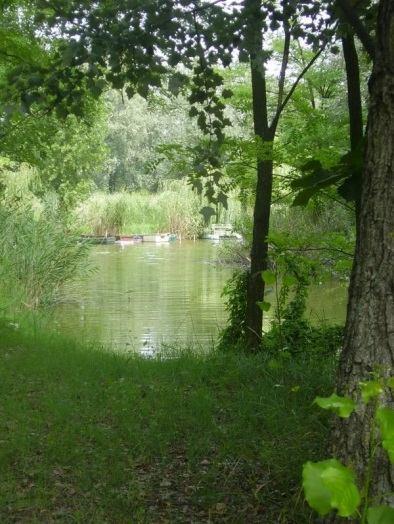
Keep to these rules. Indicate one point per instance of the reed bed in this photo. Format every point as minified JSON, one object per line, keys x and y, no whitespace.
{"x":174,"y":209}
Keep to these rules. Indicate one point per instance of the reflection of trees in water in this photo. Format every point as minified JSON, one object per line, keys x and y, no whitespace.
{"x":155,"y":294}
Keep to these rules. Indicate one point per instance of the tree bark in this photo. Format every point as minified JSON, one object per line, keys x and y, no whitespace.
{"x":262,"y":206}
{"x":354,"y":103}
{"x":369,"y":332}
{"x":353,"y":90}
{"x":259,"y":252}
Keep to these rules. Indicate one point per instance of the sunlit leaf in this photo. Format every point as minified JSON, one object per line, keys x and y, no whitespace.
{"x":345,"y":496}
{"x":317,"y":494}
{"x":385,"y":417}
{"x":330,"y":485}
{"x":342,"y":406}
{"x":370,"y":389}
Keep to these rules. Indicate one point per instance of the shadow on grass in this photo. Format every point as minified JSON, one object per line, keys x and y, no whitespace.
{"x":90,"y":435}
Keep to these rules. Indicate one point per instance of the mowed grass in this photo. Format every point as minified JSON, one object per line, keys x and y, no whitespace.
{"x":93,"y":436}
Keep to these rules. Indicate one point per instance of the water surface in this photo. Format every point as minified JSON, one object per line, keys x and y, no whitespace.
{"x":146,"y":294}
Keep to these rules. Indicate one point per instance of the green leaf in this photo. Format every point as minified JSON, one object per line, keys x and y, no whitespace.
{"x":264,"y":306}
{"x":222,"y":199}
{"x":304,"y":196}
{"x":317,"y":494}
{"x":330,"y":485}
{"x":380,"y":515}
{"x":289,"y":280}
{"x":269,"y":277}
{"x":207,"y":212}
{"x":193,"y":111}
{"x":344,"y":492}
{"x":370,"y":389}
{"x":342,"y":406}
{"x":385,"y":417}
{"x":227,"y":93}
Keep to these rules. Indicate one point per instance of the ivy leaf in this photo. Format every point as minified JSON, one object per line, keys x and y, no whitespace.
{"x":380,"y":515}
{"x":264,"y":306}
{"x":370,"y":389}
{"x":330,"y":485}
{"x":269,"y":277}
{"x":342,"y":406}
{"x":385,"y":417}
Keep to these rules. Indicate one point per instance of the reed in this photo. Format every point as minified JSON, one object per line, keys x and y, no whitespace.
{"x":37,"y":257}
{"x":175,"y":209}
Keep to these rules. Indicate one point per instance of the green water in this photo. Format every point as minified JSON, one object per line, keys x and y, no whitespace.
{"x":143,"y":295}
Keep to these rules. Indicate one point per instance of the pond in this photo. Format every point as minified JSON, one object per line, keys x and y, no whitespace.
{"x":143,"y":295}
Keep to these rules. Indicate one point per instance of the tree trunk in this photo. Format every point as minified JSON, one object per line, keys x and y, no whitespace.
{"x":112,"y":182}
{"x":353,"y":90}
{"x":262,"y":206}
{"x":369,"y":333}
{"x":259,"y":253}
{"x":354,"y":104}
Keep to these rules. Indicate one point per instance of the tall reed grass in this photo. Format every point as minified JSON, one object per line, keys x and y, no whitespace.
{"x":175,"y":209}
{"x":37,"y":257}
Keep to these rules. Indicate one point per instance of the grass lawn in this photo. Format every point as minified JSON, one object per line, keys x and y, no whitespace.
{"x":89,"y":435}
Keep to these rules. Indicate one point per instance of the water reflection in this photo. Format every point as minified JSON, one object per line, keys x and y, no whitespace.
{"x":145,"y":294}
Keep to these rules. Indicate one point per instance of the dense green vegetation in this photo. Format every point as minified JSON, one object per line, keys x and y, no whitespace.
{"x":124,"y":118}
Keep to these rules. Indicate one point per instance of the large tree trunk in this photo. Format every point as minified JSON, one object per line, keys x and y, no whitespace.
{"x":369,"y":334}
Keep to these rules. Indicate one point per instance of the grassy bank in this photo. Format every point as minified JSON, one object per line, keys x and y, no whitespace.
{"x":93,"y":436}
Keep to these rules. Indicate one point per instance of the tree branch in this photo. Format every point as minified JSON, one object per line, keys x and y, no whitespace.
{"x":285,"y":61}
{"x":294,"y":87}
{"x":359,"y":28}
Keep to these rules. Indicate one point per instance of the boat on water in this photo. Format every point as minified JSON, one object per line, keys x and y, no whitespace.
{"x":159,"y":238}
{"x":99,"y":239}
{"x":127,"y":240}
{"x":220,"y":232}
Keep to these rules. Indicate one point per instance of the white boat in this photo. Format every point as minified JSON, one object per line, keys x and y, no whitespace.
{"x":159,"y":238}
{"x":221,"y":232}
